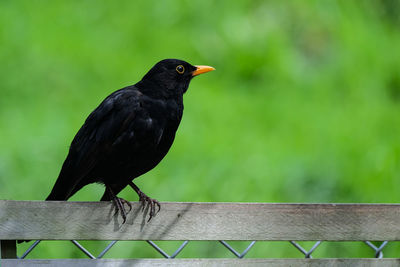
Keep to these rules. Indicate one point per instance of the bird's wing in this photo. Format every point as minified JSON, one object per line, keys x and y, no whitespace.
{"x":106,"y":129}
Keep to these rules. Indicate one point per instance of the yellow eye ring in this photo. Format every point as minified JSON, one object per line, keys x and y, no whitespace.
{"x":180,"y":69}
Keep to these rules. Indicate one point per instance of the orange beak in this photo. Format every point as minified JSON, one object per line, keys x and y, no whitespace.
{"x":202,"y":69}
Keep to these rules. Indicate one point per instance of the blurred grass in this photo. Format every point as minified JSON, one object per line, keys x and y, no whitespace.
{"x":303,"y":107}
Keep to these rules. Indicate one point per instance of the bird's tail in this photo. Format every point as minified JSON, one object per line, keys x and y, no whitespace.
{"x":66,"y":186}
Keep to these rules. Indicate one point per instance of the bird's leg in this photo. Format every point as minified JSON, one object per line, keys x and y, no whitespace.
{"x":119,"y":204}
{"x":143,"y":198}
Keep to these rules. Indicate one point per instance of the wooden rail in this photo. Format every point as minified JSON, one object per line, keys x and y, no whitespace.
{"x":61,"y":220}
{"x":204,"y":262}
{"x":199,"y":221}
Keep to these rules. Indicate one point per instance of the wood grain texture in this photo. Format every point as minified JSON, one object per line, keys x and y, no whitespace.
{"x":199,"y":221}
{"x":204,"y":262}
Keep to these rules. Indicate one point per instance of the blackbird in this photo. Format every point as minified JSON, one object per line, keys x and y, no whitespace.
{"x":127,"y":135}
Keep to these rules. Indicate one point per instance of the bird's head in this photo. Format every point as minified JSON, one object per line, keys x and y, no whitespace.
{"x":173,"y":75}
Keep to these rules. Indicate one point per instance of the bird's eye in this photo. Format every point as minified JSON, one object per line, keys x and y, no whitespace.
{"x":180,"y":69}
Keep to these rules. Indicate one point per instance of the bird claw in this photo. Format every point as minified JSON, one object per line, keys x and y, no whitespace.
{"x":151,"y":204}
{"x":119,"y":206}
{"x":127,"y":203}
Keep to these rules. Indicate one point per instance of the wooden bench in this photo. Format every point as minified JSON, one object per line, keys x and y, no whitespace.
{"x":197,"y":221}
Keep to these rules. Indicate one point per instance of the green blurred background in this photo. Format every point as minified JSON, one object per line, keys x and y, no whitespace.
{"x":303,"y":107}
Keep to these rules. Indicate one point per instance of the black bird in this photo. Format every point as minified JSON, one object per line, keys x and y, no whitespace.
{"x":127,"y":135}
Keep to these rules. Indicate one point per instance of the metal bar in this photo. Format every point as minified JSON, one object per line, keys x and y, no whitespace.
{"x":302,"y":250}
{"x":308,"y":255}
{"x":30,"y":249}
{"x":378,"y":250}
{"x":84,"y":250}
{"x":181,"y":247}
{"x":237,"y":254}
{"x":384,"y":243}
{"x":109,"y":246}
{"x":162,"y":252}
{"x":247,"y":249}
{"x":231,"y":249}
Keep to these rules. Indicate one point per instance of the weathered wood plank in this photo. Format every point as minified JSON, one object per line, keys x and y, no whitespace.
{"x":8,"y":249}
{"x":204,"y":262}
{"x":200,"y":221}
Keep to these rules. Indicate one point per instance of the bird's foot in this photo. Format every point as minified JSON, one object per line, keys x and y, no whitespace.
{"x":151,"y":204}
{"x":143,"y":198}
{"x":119,"y":206}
